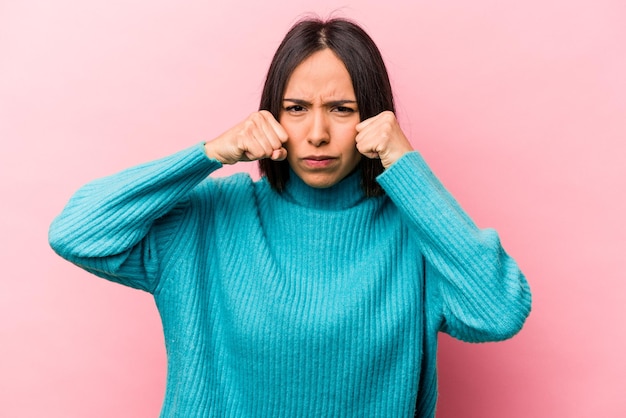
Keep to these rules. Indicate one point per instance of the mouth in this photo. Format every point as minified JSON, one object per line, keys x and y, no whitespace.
{"x":318,"y":161}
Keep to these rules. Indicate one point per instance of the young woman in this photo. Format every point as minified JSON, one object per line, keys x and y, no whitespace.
{"x":318,"y":290}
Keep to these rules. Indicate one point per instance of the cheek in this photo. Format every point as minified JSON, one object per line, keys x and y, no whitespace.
{"x":295,"y":134}
{"x":346,"y":136}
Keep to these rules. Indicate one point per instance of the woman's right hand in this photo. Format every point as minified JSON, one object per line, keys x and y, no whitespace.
{"x":258,"y":136}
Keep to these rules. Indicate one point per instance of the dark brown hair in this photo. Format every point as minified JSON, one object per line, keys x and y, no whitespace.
{"x":364,"y":64}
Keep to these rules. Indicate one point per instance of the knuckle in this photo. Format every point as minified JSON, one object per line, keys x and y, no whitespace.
{"x":389,"y":117}
{"x":256,"y":117}
{"x":248,"y":125}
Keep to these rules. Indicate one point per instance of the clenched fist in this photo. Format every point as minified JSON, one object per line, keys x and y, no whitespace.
{"x":258,"y":136}
{"x":381,"y":137}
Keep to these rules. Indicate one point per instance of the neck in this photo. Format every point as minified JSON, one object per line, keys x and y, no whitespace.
{"x":343,"y":195}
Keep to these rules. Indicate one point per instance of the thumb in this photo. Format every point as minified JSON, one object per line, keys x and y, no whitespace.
{"x":279,"y":154}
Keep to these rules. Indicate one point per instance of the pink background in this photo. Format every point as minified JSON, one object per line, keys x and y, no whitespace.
{"x":519,"y":107}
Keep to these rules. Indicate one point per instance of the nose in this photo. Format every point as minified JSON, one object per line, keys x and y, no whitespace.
{"x":318,"y":131}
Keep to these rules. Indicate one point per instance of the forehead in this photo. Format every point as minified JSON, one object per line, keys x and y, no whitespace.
{"x":322,"y":74}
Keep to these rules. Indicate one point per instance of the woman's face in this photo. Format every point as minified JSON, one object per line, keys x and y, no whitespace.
{"x":319,"y":113}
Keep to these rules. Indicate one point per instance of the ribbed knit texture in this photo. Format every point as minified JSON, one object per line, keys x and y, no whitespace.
{"x":309,"y":303}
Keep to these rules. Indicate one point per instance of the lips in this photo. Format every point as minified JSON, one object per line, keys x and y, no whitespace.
{"x":318,"y":161}
{"x":318,"y":157}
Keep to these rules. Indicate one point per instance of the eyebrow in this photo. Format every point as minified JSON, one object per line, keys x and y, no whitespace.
{"x":331,"y":103}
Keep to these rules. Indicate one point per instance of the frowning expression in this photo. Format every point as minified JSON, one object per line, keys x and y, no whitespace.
{"x":320,"y":113}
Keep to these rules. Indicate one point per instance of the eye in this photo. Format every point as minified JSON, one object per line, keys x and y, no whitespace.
{"x":343,"y":109}
{"x":295,"y":109}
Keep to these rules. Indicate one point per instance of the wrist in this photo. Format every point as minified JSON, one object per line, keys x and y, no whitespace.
{"x":395,"y":156}
{"x":211,"y":152}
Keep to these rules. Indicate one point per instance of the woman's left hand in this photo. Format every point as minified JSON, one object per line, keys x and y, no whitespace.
{"x":381,"y":137}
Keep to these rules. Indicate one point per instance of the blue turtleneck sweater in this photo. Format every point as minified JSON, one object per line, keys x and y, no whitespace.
{"x":309,"y":303}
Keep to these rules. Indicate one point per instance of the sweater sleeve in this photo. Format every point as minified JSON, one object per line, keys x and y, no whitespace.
{"x":484,"y":296}
{"x":108,"y":226}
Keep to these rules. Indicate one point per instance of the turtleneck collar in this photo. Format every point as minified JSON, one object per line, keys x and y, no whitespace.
{"x":343,"y":195}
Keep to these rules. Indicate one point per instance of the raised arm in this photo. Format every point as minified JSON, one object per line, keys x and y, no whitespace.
{"x":108,"y":226}
{"x":484,"y":295}
{"x":115,"y":227}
